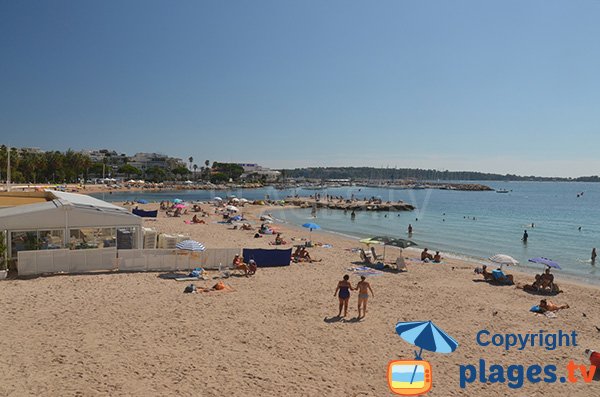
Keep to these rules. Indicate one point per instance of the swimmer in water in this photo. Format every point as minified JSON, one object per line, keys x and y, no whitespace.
{"x":594,"y":256}
{"x":525,"y":236}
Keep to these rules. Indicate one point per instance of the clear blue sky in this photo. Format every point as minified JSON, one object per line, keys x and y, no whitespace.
{"x":504,"y":86}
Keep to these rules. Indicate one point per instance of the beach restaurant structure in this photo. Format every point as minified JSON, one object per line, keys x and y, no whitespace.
{"x":53,"y":220}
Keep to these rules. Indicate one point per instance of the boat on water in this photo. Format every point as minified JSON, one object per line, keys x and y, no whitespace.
{"x":503,"y":191}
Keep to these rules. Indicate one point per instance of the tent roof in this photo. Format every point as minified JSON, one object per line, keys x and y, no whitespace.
{"x":66,"y":210}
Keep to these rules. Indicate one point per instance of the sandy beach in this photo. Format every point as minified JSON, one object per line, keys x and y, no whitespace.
{"x":276,"y":333}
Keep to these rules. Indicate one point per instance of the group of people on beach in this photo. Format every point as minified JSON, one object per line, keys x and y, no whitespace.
{"x":343,"y":293}
{"x":427,"y":257}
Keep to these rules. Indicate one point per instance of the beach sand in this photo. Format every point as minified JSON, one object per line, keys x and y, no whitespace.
{"x":275,"y":334}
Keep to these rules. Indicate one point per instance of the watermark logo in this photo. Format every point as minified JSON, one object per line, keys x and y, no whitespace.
{"x":409,"y":377}
{"x":414,"y":377}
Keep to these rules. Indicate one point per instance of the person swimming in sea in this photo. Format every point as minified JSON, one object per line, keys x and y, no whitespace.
{"x":525,"y":236}
{"x":594,"y":256}
{"x":344,"y":287}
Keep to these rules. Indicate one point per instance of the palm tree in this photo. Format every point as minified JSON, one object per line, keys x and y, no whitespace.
{"x":195,"y":168}
{"x":191,"y":160}
{"x":207,"y":168}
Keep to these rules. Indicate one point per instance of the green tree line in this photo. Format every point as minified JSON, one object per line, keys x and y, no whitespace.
{"x":369,"y":173}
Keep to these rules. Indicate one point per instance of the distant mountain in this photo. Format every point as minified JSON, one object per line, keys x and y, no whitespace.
{"x":368,"y":173}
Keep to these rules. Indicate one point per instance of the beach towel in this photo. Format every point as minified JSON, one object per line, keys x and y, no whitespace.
{"x":536,"y":309}
{"x":365,"y":271}
{"x":145,"y":214}
{"x":268,"y":258}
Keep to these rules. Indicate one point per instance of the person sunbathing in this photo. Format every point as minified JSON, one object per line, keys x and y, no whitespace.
{"x":549,"y":306}
{"x":426,"y":256}
{"x":547,"y":280}
{"x":437,"y":258}
{"x":196,"y":220}
{"x":487,"y":276}
{"x":279,"y":240}
{"x":238,"y":264}
{"x":252,"y":266}
{"x":296,"y":253}
{"x":246,"y":226}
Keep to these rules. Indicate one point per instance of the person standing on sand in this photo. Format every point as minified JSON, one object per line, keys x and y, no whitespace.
{"x":344,"y":288}
{"x":594,"y":256}
{"x":363,"y":288}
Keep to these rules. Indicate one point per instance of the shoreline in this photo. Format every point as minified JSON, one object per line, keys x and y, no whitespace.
{"x":520,"y":271}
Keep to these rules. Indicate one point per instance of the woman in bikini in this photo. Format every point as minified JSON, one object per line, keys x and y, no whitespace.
{"x":344,"y":288}
{"x":363,"y":288}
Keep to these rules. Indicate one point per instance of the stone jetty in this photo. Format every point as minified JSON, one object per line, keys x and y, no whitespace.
{"x":349,"y":205}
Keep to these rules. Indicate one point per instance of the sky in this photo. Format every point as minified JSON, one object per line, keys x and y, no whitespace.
{"x":494,"y":86}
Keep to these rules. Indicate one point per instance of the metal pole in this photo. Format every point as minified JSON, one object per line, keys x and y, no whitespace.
{"x":8,"y":171}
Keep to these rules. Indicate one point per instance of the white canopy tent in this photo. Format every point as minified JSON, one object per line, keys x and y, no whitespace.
{"x":69,"y":220}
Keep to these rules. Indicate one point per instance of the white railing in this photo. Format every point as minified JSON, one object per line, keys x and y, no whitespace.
{"x":31,"y":263}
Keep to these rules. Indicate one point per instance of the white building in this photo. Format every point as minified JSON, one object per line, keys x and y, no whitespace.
{"x":54,"y":220}
{"x":150,"y":160}
{"x":255,"y":170}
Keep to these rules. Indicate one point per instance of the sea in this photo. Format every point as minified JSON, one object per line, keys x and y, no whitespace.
{"x":562,"y":219}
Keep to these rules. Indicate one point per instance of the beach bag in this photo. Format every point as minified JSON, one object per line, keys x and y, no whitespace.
{"x":189,"y":289}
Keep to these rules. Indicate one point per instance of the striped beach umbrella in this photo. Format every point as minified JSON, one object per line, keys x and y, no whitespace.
{"x":502,"y":259}
{"x":425,"y":335}
{"x":190,"y":245}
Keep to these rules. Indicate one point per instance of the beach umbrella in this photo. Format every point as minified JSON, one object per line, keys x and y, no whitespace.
{"x":218,"y":198}
{"x":177,"y":201}
{"x":545,"y":261}
{"x":311,"y":226}
{"x":502,"y":259}
{"x":236,"y":218}
{"x":401,"y":243}
{"x":232,"y":208}
{"x":142,"y":201}
{"x":425,"y":335}
{"x":180,"y":206}
{"x":243,"y":200}
{"x":235,"y":199}
{"x":190,"y":245}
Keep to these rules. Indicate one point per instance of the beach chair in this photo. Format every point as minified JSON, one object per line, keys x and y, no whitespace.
{"x":400,"y":264}
{"x":501,"y":278}
{"x":366,"y":258}
{"x":375,"y":256}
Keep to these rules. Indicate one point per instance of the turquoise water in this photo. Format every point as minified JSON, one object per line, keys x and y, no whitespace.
{"x":445,"y":219}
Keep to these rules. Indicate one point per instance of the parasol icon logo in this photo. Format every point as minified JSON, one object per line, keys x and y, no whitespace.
{"x":409,"y":377}
{"x":414,"y":377}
